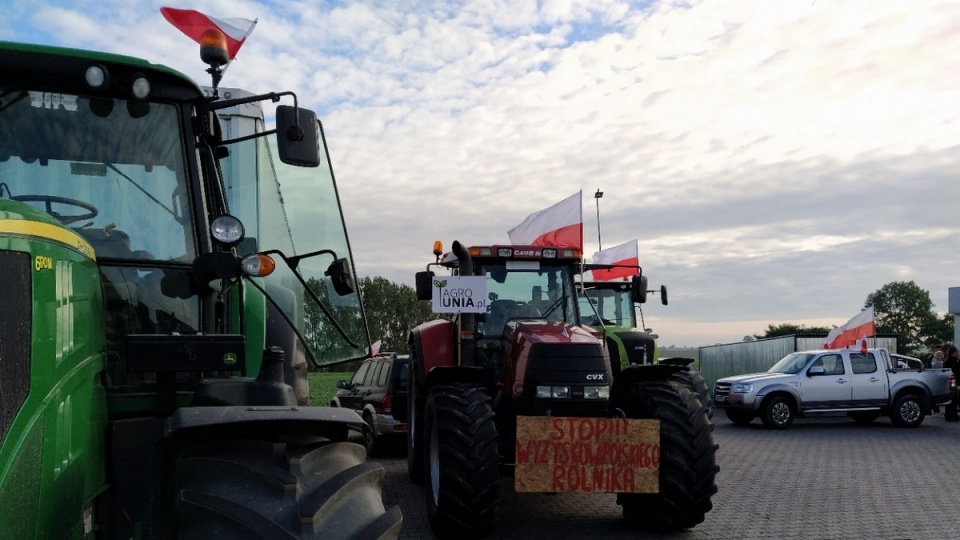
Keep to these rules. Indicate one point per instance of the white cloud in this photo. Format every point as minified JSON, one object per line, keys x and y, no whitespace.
{"x":777,"y":160}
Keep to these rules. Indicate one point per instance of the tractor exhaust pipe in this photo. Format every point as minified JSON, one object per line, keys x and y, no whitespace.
{"x":467,"y":322}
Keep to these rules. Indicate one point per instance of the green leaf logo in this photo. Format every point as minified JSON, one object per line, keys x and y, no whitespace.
{"x":440,"y":284}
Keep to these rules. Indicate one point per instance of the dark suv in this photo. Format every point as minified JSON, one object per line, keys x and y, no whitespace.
{"x":371,"y":392}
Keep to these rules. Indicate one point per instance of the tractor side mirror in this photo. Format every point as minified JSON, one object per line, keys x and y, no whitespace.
{"x":340,"y":277}
{"x":298,"y":136}
{"x":663,"y":294}
{"x":424,"y":282}
{"x":638,"y":289}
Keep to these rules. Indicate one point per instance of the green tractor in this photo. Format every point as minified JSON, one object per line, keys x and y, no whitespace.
{"x":610,"y":307}
{"x":159,"y":320}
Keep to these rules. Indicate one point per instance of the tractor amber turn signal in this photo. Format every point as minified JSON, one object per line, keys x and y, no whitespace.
{"x":258,"y":265}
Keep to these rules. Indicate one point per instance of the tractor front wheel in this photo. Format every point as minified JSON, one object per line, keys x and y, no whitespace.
{"x":688,"y":464}
{"x":254,"y":488}
{"x":462,"y":465}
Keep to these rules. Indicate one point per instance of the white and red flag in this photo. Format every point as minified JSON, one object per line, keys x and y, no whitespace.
{"x":560,"y":225}
{"x":622,"y":256}
{"x":853,"y":331}
{"x":193,"y":24}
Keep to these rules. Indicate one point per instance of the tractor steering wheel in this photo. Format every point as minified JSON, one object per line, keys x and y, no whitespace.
{"x":50,"y":200}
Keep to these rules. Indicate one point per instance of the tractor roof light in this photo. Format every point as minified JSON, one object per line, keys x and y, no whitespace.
{"x":438,"y":248}
{"x":549,"y":253}
{"x":227,"y":230}
{"x":96,"y":77}
{"x":258,"y":265}
{"x":571,"y":254}
{"x":504,"y":252}
{"x":140,"y":87}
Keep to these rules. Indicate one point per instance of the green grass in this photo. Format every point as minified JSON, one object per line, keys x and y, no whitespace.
{"x":323,"y":385}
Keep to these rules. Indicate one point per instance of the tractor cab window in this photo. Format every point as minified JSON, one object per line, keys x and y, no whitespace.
{"x":613,"y":305}
{"x":113,"y":171}
{"x":525,"y":289}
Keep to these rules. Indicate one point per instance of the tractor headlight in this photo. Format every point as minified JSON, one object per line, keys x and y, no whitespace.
{"x":741,"y":388}
{"x":558,"y":392}
{"x":596,"y":392}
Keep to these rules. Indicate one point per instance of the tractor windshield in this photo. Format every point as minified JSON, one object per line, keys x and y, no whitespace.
{"x":526,"y":289}
{"x":112,"y":170}
{"x":613,"y":304}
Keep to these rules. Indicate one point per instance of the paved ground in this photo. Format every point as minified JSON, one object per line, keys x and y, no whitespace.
{"x":821,"y":479}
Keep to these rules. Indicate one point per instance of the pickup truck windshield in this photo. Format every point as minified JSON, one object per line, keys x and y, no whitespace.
{"x":792,"y":363}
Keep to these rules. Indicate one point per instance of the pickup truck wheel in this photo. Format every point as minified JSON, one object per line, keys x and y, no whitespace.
{"x":740,"y":418}
{"x":688,"y":464}
{"x":865,"y":417}
{"x":777,"y":413}
{"x":263,"y":488}
{"x":907,"y":411}
{"x":462,"y":465}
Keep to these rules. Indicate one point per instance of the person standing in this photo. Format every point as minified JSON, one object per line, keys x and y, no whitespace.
{"x":952,"y":362}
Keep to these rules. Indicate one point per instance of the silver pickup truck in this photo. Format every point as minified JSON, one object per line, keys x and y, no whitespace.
{"x":862,"y":385}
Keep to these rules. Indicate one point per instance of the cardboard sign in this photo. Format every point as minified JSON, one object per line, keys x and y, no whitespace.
{"x":606,"y":455}
{"x":459,"y":294}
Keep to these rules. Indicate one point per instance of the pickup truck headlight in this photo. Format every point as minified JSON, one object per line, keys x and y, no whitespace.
{"x":741,"y":388}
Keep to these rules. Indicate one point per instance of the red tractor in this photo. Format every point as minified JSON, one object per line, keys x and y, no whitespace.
{"x":474,"y":376}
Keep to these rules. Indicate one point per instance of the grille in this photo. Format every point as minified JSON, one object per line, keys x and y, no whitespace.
{"x":15,"y":335}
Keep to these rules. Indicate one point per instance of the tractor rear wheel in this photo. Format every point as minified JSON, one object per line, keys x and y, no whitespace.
{"x":253,"y":488}
{"x":462,"y":465}
{"x":688,"y":464}
{"x":692,"y":379}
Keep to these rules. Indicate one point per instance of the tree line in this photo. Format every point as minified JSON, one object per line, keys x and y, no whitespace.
{"x":900,"y":307}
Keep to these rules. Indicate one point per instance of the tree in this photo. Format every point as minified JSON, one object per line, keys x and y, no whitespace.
{"x":903,"y":308}
{"x":787,"y":329}
{"x":392,"y":311}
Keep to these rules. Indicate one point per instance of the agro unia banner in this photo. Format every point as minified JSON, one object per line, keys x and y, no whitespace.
{"x":459,"y":294}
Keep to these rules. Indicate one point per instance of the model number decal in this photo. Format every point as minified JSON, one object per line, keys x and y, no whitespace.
{"x":43,"y":263}
{"x":595,"y":377}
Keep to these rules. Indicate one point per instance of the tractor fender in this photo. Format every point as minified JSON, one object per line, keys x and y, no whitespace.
{"x":676,"y":361}
{"x":641,"y":373}
{"x":431,"y":346}
{"x":243,"y":420}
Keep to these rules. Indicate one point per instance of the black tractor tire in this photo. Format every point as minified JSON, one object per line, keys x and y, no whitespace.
{"x":416,"y":455}
{"x":462,"y":465}
{"x":740,"y":418}
{"x":692,"y":379}
{"x":778,"y":413}
{"x":865,"y":417}
{"x":907,"y":411}
{"x":254,"y":488}
{"x":688,"y":458}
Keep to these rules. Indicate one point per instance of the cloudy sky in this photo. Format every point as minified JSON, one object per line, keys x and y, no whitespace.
{"x":777,"y":161}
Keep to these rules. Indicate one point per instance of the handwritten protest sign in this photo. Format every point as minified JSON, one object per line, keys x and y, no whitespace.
{"x":615,"y":455}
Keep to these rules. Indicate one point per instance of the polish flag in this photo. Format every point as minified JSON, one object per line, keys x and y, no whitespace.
{"x":620,"y":256}
{"x":853,"y":331}
{"x":560,"y":225}
{"x":194,"y":24}
{"x":375,"y":347}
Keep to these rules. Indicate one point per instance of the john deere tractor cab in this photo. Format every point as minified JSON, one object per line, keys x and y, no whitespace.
{"x":510,"y":353}
{"x":159,"y":316}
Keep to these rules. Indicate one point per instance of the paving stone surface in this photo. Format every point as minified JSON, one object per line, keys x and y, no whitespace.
{"x":824,"y":478}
